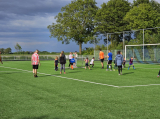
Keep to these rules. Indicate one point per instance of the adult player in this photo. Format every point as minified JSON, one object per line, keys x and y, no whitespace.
{"x":118,"y":62}
{"x":70,"y":57}
{"x":101,"y":57}
{"x":62,"y":60}
{"x":35,"y":62}
{"x":109,"y":60}
{"x":0,"y":58}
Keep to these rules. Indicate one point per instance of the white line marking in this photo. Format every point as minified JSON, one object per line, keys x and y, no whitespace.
{"x":88,"y":81}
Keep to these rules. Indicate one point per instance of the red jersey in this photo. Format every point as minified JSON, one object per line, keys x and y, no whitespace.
{"x":35,"y":58}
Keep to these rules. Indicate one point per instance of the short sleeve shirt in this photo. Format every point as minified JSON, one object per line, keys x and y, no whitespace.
{"x":110,"y":56}
{"x":35,"y":58}
{"x":101,"y":55}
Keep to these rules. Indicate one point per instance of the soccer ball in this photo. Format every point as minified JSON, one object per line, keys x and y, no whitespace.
{"x":109,"y":66}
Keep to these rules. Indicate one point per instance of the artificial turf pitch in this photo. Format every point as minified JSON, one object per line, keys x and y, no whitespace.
{"x":78,"y":94}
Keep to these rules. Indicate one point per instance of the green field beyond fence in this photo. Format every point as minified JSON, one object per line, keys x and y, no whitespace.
{"x":80,"y":93}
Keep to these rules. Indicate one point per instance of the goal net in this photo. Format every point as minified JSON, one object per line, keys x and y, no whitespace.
{"x":143,"y":53}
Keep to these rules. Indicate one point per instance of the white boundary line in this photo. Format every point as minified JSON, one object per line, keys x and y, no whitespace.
{"x":87,"y":81}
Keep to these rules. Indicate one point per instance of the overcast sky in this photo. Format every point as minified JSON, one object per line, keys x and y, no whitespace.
{"x":25,"y":22}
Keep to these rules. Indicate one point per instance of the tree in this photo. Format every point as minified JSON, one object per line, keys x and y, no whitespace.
{"x":7,"y":50}
{"x":137,"y":2}
{"x":142,"y":17}
{"x":18,"y":47}
{"x":110,"y":17}
{"x":75,"y":23}
{"x":2,"y":50}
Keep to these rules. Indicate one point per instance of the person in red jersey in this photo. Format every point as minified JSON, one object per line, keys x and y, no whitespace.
{"x":35,"y":62}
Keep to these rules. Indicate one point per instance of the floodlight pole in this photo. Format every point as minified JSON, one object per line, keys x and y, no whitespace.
{"x":123,"y":43}
{"x":143,"y":44}
{"x":107,"y":43}
{"x":94,"y":46}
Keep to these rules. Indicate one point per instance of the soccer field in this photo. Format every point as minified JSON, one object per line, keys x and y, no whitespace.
{"x":78,"y":94}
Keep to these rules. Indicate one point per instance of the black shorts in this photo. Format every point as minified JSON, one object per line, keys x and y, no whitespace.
{"x":71,"y":63}
{"x":35,"y":66}
{"x":102,"y":60}
{"x":86,"y":64}
{"x":109,"y":61}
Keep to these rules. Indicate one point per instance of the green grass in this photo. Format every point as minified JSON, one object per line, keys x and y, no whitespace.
{"x":49,"y":97}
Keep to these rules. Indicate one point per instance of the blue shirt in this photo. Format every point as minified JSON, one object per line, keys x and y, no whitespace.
{"x":110,"y":56}
{"x":72,"y":60}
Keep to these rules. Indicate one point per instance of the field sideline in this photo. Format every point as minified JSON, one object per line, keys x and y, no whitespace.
{"x":78,"y":94}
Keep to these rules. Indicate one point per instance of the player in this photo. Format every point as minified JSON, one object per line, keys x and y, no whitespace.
{"x":119,"y":61}
{"x":72,"y":61}
{"x":92,"y":62}
{"x":124,"y":63}
{"x":101,"y":57}
{"x":109,"y":60}
{"x":131,"y":63}
{"x":62,"y":60}
{"x":86,"y":63}
{"x":56,"y":63}
{"x":35,"y":62}
{"x":70,"y":57}
{"x":76,"y":56}
{"x":158,"y":73}
{"x":0,"y":58}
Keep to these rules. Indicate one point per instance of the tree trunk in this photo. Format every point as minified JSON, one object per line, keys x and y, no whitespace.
{"x":80,"y":48}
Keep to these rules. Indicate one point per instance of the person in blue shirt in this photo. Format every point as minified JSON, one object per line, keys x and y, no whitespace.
{"x":72,"y":61}
{"x":109,"y":60}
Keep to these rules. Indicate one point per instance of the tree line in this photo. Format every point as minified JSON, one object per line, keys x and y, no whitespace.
{"x":82,"y":21}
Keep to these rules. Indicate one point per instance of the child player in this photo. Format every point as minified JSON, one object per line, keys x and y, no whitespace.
{"x":131,"y":63}
{"x":72,"y":61}
{"x":86,"y":63}
{"x":56,"y":63}
{"x":124,"y":63}
{"x":92,"y":62}
{"x":115,"y":66}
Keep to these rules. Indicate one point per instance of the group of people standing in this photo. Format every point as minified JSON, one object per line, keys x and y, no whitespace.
{"x":62,"y":58}
{"x":118,"y":62}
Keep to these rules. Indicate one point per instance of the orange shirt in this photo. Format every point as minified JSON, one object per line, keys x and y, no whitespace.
{"x":101,"y":55}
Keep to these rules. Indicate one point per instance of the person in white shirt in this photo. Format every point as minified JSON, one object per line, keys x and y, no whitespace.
{"x":75,"y":57}
{"x":70,"y":57}
{"x":92,"y":62}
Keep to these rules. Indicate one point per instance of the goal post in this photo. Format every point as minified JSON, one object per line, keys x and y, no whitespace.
{"x":142,"y":49}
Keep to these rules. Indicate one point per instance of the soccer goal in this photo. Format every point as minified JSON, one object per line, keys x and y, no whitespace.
{"x":143,"y":53}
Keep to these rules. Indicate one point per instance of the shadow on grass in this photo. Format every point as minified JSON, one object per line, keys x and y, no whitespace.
{"x":127,"y":73}
{"x":42,"y":117}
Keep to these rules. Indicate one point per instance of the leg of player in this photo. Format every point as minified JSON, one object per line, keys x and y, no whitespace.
{"x":119,"y":70}
{"x":61,"y":68}
{"x":64,"y":68}
{"x":33,"y":73}
{"x":129,"y":66}
{"x":111,"y":67}
{"x":102,"y":64}
{"x":89,"y":67}
{"x":133,"y":66}
{"x":158,"y":73}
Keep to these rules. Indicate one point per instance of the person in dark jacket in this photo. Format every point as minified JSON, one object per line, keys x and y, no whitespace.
{"x":62,"y":60}
{"x":119,"y":61}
